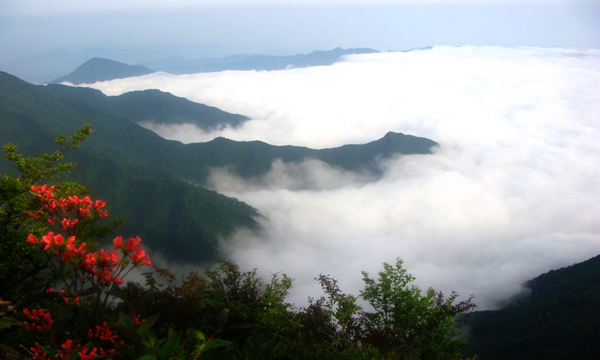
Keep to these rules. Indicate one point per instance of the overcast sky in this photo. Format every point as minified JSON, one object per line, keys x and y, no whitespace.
{"x":149,"y":30}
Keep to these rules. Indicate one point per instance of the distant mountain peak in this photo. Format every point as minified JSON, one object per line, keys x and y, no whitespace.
{"x":255,"y":62}
{"x":99,"y":69}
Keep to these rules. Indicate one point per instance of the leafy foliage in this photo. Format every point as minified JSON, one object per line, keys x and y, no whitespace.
{"x":149,"y":105}
{"x":558,"y":318}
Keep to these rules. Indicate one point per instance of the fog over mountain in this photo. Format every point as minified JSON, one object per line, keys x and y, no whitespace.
{"x":511,"y":192}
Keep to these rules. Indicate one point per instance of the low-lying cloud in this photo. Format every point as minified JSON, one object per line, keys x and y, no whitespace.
{"x":511,"y":192}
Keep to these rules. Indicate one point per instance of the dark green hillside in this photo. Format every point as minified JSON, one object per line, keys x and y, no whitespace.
{"x":245,"y":158}
{"x":254,"y":158}
{"x":559,"y":319}
{"x":150,"y":105}
{"x":146,"y":177}
{"x":171,"y":215}
{"x":97,"y":69}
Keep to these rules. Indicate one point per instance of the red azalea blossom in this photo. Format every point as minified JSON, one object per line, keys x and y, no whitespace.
{"x":118,"y":242}
{"x":140,"y":258}
{"x":99,"y":204}
{"x":133,"y":244}
{"x":106,"y":352}
{"x":104,"y":333}
{"x":39,"y":316}
{"x":93,"y":268}
{"x":67,"y":224}
{"x":38,"y":353}
{"x":32,"y":239}
{"x":90,"y":355}
{"x":137,"y":321}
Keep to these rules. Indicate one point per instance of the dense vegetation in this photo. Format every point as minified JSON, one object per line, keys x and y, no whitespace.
{"x":125,"y":164}
{"x":559,"y":318}
{"x":153,"y":106}
{"x":247,"y":159}
{"x":62,"y":298}
{"x":182,"y":220}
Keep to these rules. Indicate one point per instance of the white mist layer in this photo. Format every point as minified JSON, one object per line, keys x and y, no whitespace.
{"x":511,"y":192}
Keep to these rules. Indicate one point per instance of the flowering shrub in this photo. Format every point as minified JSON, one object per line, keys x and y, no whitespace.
{"x":90,"y":272}
{"x":88,"y":277}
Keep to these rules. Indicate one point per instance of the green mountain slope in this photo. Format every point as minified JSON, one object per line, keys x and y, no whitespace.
{"x":181,"y":220}
{"x":246,"y":158}
{"x":147,"y":178}
{"x":150,"y":105}
{"x":559,"y":319}
{"x":97,"y":69}
{"x":255,"y":158}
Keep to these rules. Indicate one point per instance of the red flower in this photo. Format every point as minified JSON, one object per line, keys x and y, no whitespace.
{"x":90,"y":355}
{"x":67,"y":344}
{"x":39,"y":316}
{"x":67,"y":224}
{"x":133,"y":244}
{"x":32,"y":239}
{"x":99,"y":204}
{"x":118,"y":242}
{"x":50,"y":240}
{"x":137,"y":321}
{"x":38,"y":353}
{"x":140,"y":258}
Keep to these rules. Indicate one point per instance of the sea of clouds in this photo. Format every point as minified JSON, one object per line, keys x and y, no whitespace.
{"x":512,"y":191}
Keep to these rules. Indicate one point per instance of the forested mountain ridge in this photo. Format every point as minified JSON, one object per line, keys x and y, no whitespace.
{"x":182,"y":221}
{"x":558,"y":318}
{"x":153,"y":106}
{"x":97,"y":69}
{"x":255,"y":158}
{"x":244,"y":158}
{"x":125,"y":164}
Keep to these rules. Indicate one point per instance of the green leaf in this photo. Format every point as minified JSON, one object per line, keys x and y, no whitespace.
{"x":217,"y":343}
{"x":146,"y":325}
{"x":179,"y":352}
{"x":131,"y":352}
{"x":124,"y":331}
{"x":193,"y":334}
{"x":148,"y":338}
{"x":126,"y":321}
{"x":9,"y":321}
{"x":147,"y":357}
{"x":50,"y":351}
{"x":172,"y":341}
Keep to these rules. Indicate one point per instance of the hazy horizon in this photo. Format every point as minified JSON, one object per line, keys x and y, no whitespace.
{"x":45,"y":40}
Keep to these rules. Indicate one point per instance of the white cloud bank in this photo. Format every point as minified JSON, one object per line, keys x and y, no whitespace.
{"x":512,"y":192}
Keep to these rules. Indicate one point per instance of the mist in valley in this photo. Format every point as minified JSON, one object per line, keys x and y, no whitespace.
{"x":511,"y":192}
